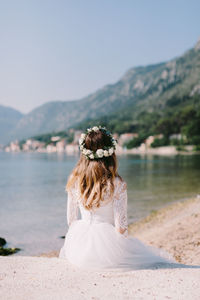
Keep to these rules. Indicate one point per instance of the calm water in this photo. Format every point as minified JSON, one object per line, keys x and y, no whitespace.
{"x":33,"y":200}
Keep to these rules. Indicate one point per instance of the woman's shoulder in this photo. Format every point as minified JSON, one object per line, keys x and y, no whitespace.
{"x":73,"y":189}
{"x":120,"y":183}
{"x":119,"y":180}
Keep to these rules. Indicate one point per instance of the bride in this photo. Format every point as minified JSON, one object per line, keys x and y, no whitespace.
{"x":99,"y":240}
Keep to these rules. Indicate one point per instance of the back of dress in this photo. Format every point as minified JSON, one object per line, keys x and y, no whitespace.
{"x":112,"y":211}
{"x":99,"y":239}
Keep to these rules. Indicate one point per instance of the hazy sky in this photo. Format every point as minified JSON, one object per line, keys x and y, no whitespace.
{"x":64,"y":50}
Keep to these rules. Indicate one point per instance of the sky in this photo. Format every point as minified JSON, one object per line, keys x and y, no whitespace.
{"x":67,"y":49}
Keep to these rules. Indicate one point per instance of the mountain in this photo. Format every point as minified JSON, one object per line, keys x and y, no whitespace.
{"x":9,"y":117}
{"x":143,"y":89}
{"x":169,"y":96}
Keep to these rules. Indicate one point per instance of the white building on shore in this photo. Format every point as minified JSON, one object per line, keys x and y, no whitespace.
{"x":60,"y":146}
{"x":72,"y":149}
{"x":13,"y":147}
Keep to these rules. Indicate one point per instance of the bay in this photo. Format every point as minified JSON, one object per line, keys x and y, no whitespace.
{"x":33,"y":198}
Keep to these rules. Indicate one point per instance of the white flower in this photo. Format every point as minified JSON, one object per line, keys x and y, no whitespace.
{"x":111,"y":150}
{"x":81,"y":141}
{"x":89,"y":129}
{"x":83,"y":135}
{"x":100,"y":152}
{"x":106,"y":153}
{"x":84,"y":151}
{"x":95,"y":128}
{"x":114,"y":143}
{"x":88,"y":152}
{"x":91,"y":156}
{"x":81,"y":147}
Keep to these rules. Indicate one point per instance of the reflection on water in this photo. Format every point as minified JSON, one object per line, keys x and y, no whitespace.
{"x":33,"y":200}
{"x":154,"y":181}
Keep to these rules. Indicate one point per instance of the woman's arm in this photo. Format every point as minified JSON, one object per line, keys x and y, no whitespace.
{"x":72,"y":208}
{"x":120,"y":208}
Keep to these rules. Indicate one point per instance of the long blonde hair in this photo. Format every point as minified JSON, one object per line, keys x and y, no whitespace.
{"x":94,"y":176}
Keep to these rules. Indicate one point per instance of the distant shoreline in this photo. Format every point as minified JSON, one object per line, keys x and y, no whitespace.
{"x":165,"y":150}
{"x":162,"y":151}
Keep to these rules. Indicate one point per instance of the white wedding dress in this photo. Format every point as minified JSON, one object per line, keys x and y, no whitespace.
{"x":94,"y":242}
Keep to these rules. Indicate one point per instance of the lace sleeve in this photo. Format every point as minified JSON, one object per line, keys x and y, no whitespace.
{"x":120,"y":208}
{"x":72,"y":208}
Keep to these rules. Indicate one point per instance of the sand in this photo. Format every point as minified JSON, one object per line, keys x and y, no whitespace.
{"x":175,"y":228}
{"x":45,"y":278}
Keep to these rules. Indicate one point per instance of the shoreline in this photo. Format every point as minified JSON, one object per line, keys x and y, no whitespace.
{"x":173,"y":228}
{"x":162,"y":151}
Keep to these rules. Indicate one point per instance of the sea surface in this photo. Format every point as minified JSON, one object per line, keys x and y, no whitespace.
{"x":33,"y":198}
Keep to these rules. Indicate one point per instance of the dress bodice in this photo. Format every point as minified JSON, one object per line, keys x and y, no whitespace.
{"x":102,"y":214}
{"x":113,"y":211}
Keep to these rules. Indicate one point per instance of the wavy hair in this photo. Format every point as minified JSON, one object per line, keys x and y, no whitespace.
{"x":94,"y":177}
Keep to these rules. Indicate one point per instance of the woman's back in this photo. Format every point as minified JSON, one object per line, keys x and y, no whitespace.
{"x":104,"y":213}
{"x":111,"y":210}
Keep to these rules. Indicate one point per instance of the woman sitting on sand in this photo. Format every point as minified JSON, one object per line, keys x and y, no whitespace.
{"x":100,"y":238}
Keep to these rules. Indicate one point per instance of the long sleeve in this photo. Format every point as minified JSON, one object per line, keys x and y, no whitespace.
{"x":72,"y":208}
{"x":120,"y":208}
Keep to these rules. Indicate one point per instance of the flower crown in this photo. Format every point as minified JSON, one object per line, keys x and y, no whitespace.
{"x":106,"y":151}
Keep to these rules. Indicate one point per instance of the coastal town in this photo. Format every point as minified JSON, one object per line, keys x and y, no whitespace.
{"x":58,"y":144}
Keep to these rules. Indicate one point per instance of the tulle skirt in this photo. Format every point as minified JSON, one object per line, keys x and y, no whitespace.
{"x":99,"y":246}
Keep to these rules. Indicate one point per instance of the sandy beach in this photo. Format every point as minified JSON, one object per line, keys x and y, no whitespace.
{"x":175,"y":228}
